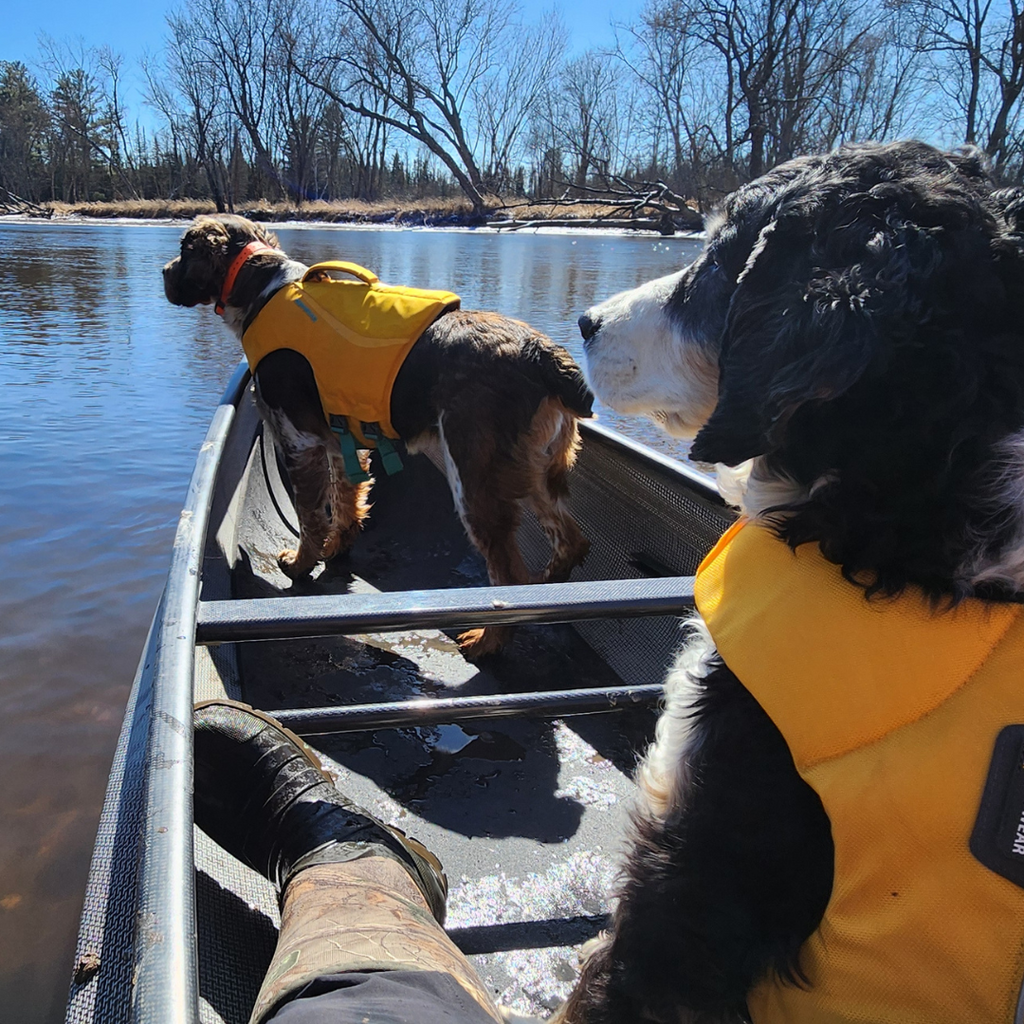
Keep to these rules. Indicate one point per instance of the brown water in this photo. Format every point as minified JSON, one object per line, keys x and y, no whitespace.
{"x":105,"y":395}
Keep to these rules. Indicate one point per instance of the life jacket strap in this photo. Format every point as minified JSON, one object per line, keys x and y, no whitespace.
{"x":347,"y":442}
{"x":388,"y":456}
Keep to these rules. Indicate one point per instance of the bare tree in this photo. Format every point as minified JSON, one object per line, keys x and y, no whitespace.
{"x":121,"y":159}
{"x":238,"y":39}
{"x":1006,"y":65}
{"x":510,"y":93}
{"x":426,"y":69}
{"x":954,"y":41}
{"x":191,"y":101}
{"x":975,"y":52}
{"x":743,"y":84}
{"x":872,"y":97}
{"x":299,"y":107}
{"x":689,"y":117}
{"x":580,"y":113}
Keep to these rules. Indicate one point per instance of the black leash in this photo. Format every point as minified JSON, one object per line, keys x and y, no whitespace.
{"x":270,"y":489}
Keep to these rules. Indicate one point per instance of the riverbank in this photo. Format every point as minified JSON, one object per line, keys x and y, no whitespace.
{"x":436,"y":212}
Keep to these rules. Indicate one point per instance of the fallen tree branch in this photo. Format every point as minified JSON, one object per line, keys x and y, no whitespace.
{"x":653,"y":205}
{"x":14,"y":203}
{"x":622,"y":223}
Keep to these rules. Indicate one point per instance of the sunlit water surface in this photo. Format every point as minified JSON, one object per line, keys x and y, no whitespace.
{"x":105,"y":394}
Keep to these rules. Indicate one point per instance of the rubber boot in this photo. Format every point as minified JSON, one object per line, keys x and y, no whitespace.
{"x":356,"y":894}
{"x":366,"y":915}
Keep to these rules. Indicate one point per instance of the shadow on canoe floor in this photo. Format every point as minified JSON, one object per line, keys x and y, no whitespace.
{"x":223,"y":949}
{"x":493,"y":778}
{"x":497,"y":778}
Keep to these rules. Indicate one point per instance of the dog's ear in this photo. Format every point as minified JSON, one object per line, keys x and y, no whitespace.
{"x":208,"y":238}
{"x":214,"y":237}
{"x":808,"y":317}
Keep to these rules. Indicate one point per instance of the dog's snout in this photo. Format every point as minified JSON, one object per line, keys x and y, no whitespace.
{"x":171,"y":268}
{"x":589,"y":326}
{"x":171,"y":277}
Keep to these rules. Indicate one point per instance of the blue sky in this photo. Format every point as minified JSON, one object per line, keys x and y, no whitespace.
{"x":135,"y":28}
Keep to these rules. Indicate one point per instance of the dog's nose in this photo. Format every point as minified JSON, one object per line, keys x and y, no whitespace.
{"x":588,"y":326}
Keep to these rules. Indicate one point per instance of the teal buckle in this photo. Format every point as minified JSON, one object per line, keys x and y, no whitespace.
{"x":388,"y":456}
{"x":353,"y":469}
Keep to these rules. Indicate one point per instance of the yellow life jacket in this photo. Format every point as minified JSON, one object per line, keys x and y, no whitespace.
{"x":891,"y":710}
{"x":355,"y":334}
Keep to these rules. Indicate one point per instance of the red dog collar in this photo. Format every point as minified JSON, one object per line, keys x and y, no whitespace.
{"x":236,"y":265}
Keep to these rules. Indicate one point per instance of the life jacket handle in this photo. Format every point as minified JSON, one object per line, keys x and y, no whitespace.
{"x":343,"y":266}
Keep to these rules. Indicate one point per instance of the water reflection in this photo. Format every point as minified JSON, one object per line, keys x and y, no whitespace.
{"x":105,"y":393}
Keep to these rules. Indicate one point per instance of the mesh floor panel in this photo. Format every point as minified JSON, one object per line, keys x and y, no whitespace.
{"x":643,"y":521}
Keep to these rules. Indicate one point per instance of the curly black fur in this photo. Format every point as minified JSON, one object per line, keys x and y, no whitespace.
{"x":866,"y":313}
{"x":872,"y":352}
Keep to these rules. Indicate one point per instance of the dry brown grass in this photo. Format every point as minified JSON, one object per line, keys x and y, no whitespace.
{"x":141,"y":209}
{"x":348,"y":211}
{"x":518,"y":209}
{"x":358,"y":211}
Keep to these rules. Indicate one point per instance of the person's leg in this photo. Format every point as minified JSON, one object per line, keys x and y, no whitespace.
{"x":383,"y":997}
{"x":357,"y":897}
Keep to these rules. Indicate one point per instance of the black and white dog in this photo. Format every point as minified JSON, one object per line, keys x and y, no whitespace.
{"x":848,"y":348}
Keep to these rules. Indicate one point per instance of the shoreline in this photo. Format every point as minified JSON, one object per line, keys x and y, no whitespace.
{"x":493,"y":227}
{"x":436,"y":215}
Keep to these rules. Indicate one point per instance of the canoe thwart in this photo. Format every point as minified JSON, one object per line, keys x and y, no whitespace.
{"x":279,"y":618}
{"x":446,"y":710}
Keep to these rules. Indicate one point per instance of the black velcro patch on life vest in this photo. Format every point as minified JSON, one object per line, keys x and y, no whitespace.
{"x":998,"y":836}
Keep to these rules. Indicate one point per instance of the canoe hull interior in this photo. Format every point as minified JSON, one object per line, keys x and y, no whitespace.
{"x":526,"y":814}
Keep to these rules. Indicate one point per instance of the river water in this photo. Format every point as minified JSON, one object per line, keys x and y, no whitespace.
{"x":106,"y":392}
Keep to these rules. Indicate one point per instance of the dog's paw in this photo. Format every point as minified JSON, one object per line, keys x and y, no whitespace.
{"x":479,"y":643}
{"x":288,"y":562}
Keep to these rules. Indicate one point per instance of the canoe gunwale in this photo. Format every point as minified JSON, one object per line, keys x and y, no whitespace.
{"x":652,"y":459}
{"x":165,"y":972}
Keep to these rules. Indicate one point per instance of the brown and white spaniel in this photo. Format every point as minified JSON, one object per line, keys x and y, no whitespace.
{"x":500,"y":399}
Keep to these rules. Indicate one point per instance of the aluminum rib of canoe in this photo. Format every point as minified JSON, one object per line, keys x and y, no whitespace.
{"x":508,"y":770}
